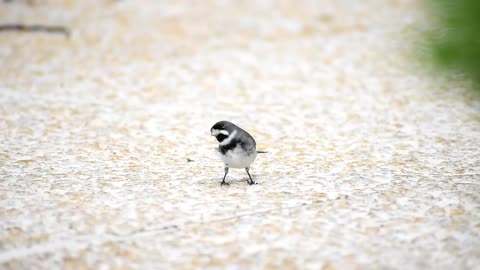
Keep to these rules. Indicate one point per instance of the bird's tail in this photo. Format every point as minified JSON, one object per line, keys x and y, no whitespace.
{"x":262,"y":152}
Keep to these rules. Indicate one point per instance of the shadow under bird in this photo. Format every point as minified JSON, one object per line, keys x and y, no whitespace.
{"x":237,"y":148}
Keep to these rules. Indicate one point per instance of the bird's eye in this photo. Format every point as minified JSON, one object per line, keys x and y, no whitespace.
{"x":216,"y":132}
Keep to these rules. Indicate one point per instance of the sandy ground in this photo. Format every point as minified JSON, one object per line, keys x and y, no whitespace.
{"x":372,"y":163}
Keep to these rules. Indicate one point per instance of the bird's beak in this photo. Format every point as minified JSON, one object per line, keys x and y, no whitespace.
{"x":215,"y":132}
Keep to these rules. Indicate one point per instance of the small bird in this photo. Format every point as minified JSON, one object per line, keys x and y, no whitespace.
{"x":237,"y":148}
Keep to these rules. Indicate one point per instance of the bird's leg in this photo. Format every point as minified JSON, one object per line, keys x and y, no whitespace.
{"x":223,"y":181}
{"x":251,"y":180}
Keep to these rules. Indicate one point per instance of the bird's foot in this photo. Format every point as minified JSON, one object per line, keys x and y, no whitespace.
{"x":252,"y":183}
{"x":224,"y":183}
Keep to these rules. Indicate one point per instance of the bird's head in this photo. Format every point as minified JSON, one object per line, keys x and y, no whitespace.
{"x":222,"y":129}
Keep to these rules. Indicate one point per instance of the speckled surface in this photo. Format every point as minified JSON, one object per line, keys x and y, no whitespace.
{"x":372,"y":163}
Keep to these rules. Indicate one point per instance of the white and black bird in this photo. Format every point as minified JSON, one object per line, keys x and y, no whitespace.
{"x":237,"y":148}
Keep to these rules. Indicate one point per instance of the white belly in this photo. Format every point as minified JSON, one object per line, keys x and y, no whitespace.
{"x":237,"y":158}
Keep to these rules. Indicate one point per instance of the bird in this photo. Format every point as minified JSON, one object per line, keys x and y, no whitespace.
{"x":237,"y":148}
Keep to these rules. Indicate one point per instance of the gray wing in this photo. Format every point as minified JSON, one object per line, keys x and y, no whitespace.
{"x":247,"y":142}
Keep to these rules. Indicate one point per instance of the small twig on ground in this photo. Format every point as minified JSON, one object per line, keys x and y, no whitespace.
{"x":35,"y":28}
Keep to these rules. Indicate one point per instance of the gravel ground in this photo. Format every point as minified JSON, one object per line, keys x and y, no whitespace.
{"x":372,"y":163}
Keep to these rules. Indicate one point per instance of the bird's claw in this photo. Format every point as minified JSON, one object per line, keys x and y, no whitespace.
{"x":224,"y":183}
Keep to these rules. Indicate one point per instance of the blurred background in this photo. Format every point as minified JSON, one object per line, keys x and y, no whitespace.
{"x":455,"y":43}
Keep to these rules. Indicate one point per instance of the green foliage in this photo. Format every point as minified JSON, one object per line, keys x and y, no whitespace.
{"x":456,"y":43}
